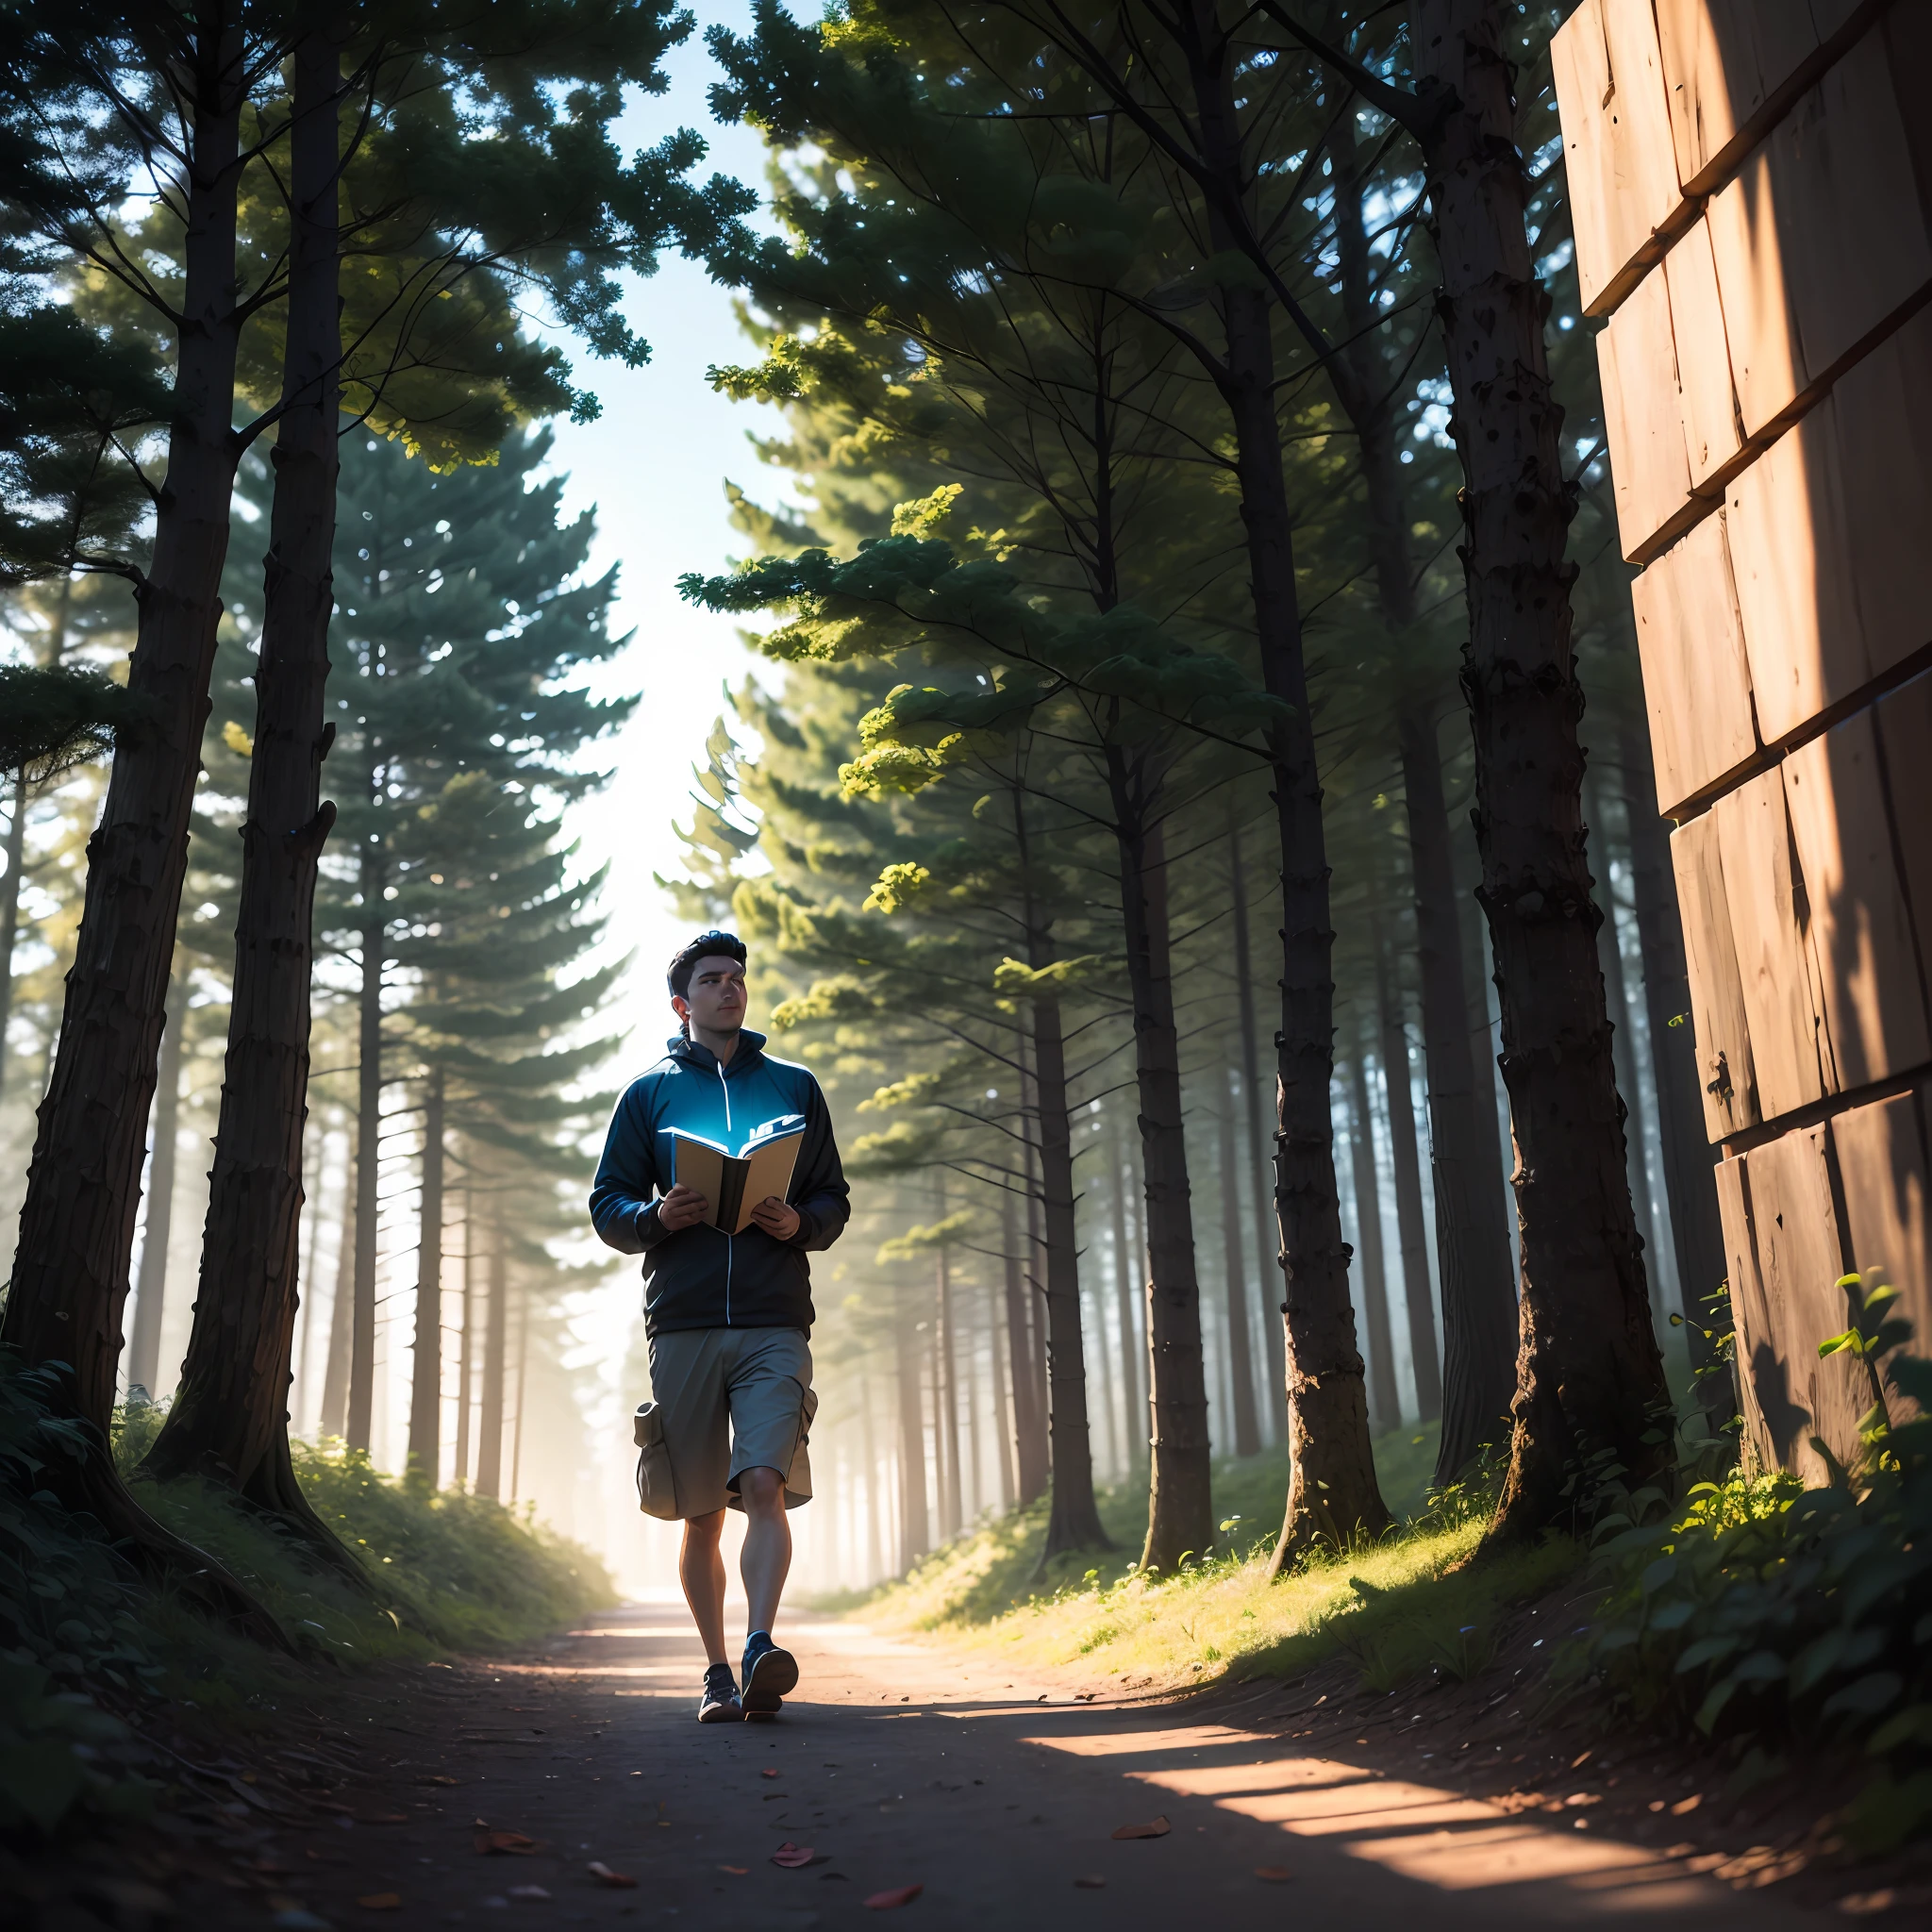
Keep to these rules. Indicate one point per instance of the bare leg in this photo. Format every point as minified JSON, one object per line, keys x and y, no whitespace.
{"x":701,"y":1571}
{"x":767,"y":1554}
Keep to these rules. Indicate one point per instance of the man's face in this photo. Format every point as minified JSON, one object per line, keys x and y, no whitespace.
{"x":716,"y":1001}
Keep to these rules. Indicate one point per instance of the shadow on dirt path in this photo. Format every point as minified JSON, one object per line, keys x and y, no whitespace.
{"x":901,"y":1765}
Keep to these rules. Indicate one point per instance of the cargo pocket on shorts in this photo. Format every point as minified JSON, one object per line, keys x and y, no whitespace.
{"x":798,"y":1478}
{"x":657,"y":1493}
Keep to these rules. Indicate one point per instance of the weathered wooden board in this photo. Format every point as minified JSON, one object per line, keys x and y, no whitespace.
{"x":1800,"y":1262}
{"x":1748,"y":248}
{"x":1858,"y":927}
{"x":1882,"y":1169}
{"x":1847,"y":197}
{"x":1881,"y":416}
{"x":1724,"y":60}
{"x":1621,"y":174}
{"x":1757,"y":1361}
{"x":1642,"y":417}
{"x":1791,"y":563}
{"x":1904,"y":731}
{"x":1724,"y":1067}
{"x":1707,"y":402}
{"x":1775,"y":968}
{"x":1696,"y":679}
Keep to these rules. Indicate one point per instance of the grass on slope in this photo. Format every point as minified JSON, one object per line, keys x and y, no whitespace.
{"x":1400,"y":1604}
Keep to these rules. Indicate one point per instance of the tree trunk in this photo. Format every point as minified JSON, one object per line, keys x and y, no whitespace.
{"x":1074,"y":1520}
{"x":490,"y":1417}
{"x":1410,"y":1230}
{"x":83,"y":1193}
{"x":1590,"y":1377}
{"x":341,"y":1313}
{"x":1688,"y":1158}
{"x":516,"y":1436}
{"x":151,"y":1284}
{"x":1127,"y":1286}
{"x":1385,"y":1404}
{"x":1030,"y":1426}
{"x":1268,"y":1234}
{"x":374,"y":878}
{"x":1609,"y":951}
{"x":1003,"y":1426}
{"x":1180,"y":1506}
{"x":1241,"y":1362}
{"x":9,"y":910}
{"x":424,"y":1454}
{"x":875,"y":1484}
{"x":914,"y":1536}
{"x":945,"y":1405}
{"x":1332,"y":1491}
{"x":1471,"y":1237}
{"x":229,"y":1422}
{"x":466,"y":1360}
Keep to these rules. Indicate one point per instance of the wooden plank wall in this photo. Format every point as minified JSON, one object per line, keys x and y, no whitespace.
{"x":1752,"y":189}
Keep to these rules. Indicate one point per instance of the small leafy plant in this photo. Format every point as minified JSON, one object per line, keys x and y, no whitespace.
{"x":1760,"y":1613}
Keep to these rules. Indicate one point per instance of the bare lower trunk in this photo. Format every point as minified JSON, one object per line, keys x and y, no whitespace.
{"x":1385,"y":1404}
{"x":466,"y":1360}
{"x":914,"y":1536}
{"x":1609,"y":951}
{"x":945,"y":1398}
{"x":361,"y":1405}
{"x":1030,"y":1426}
{"x":1589,"y":1378}
{"x":1126,"y":1289}
{"x":516,"y":1434}
{"x":1241,"y":1362}
{"x":151,"y":1284}
{"x":1002,"y":1406}
{"x":1268,"y":1234}
{"x":1688,"y":1158}
{"x":490,"y":1417}
{"x":9,"y":910}
{"x":229,"y":1422}
{"x":1180,"y":1506}
{"x":1471,"y":1237}
{"x":426,"y":1377}
{"x":342,"y":1314}
{"x":1074,"y":1520}
{"x":1410,"y":1232}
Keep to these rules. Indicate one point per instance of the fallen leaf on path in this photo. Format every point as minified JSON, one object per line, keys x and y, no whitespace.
{"x":773,"y":1771}
{"x":381,"y":1902}
{"x":899,"y":1895}
{"x":1274,"y":1874}
{"x":736,"y":1871}
{"x":516,"y":1844}
{"x":1154,"y":1827}
{"x":527,"y":1891}
{"x":792,"y":1856}
{"x":604,"y":1875}
{"x":1092,"y":1882}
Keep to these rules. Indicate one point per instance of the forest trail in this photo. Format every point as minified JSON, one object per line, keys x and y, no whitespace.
{"x":997,"y":1790}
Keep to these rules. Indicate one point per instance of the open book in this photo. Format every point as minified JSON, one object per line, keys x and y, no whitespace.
{"x":734,"y":1184}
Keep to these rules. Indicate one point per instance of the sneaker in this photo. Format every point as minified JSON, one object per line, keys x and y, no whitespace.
{"x":769,"y":1674}
{"x":720,"y":1705}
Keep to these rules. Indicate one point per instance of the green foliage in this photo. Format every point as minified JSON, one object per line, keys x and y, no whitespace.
{"x":1760,"y":1612}
{"x":54,"y":718}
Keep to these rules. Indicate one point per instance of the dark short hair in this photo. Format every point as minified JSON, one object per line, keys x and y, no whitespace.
{"x":723,"y":944}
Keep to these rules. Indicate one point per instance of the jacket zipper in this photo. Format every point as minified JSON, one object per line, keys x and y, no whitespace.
{"x":726,"y":1091}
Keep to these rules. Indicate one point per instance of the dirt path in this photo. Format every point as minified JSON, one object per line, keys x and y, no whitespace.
{"x":903,"y":1765}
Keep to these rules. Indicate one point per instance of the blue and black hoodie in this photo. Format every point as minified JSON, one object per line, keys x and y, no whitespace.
{"x":700,"y":1277}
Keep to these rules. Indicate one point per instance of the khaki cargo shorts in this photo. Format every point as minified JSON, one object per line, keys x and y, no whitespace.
{"x":758,"y":1381}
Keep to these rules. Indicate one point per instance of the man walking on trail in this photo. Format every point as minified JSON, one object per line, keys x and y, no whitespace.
{"x":726,"y":1314}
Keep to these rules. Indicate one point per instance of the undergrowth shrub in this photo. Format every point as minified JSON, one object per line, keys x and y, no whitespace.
{"x":78,"y":1626}
{"x":1760,"y":1613}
